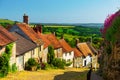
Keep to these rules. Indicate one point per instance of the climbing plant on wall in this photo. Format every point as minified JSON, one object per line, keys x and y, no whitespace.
{"x":4,"y":60}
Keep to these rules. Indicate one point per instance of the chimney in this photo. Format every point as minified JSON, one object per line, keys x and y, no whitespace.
{"x":25,"y":19}
{"x":39,"y":28}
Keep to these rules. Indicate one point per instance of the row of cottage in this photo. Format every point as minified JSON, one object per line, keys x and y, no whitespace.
{"x":31,"y":43}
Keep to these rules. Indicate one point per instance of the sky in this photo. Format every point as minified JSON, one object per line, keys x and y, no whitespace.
{"x":58,"y":11}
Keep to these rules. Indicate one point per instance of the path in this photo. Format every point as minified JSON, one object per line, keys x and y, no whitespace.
{"x":94,"y":76}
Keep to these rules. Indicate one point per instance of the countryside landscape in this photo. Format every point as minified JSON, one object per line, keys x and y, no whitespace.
{"x":44,"y":42}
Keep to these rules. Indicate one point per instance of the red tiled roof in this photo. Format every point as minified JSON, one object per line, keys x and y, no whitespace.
{"x":5,"y":37}
{"x":53,"y":40}
{"x":84,"y":48}
{"x":45,"y":40}
{"x":66,"y":47}
{"x":77,"y":53}
{"x":30,"y":32}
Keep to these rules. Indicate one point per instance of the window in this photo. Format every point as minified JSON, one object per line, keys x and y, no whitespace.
{"x":70,"y":53}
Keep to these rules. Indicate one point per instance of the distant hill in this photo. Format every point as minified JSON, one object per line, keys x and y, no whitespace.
{"x":5,"y":22}
{"x":98,"y":25}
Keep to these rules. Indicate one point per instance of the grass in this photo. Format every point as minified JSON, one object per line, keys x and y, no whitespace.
{"x":6,"y":21}
{"x":51,"y":74}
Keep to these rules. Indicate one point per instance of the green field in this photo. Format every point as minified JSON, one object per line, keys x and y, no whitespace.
{"x":6,"y":22}
{"x":71,"y":33}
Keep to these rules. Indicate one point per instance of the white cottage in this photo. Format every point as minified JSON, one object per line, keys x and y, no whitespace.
{"x":86,"y":51}
{"x":68,"y":53}
{"x":25,"y":50}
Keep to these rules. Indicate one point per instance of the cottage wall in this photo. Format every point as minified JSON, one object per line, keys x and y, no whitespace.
{"x":58,"y":53}
{"x":95,"y":61}
{"x":20,"y":62}
{"x":2,"y":49}
{"x":78,"y":62}
{"x":45,"y":55}
{"x":36,"y":53}
{"x":68,"y":57}
{"x":27,"y":56}
{"x":87,"y":60}
{"x":13,"y":55}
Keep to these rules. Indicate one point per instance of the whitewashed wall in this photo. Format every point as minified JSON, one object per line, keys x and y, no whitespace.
{"x":68,"y":57}
{"x":88,"y":60}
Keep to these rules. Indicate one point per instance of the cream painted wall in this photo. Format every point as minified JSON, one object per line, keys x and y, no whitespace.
{"x":78,"y":62}
{"x":2,"y":50}
{"x":68,"y":57}
{"x":44,"y":57}
{"x":95,"y":61}
{"x":27,"y":55}
{"x":58,"y":53}
{"x":13,"y":55}
{"x":20,"y":62}
{"x":87,"y":59}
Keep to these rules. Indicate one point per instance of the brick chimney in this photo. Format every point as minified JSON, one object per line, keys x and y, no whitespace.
{"x":25,"y":19}
{"x":39,"y":28}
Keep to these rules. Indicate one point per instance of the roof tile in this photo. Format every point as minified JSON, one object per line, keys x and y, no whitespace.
{"x":5,"y":37}
{"x":53,"y":40}
{"x":84,"y":48}
{"x":66,"y":47}
{"x":77,"y":53}
{"x":30,"y":32}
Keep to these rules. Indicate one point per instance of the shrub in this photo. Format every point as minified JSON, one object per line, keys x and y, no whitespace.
{"x":38,"y":66}
{"x":50,"y":55}
{"x":31,"y":64}
{"x":14,"y":67}
{"x":59,"y":63}
{"x":4,"y":61}
{"x":4,"y":65}
{"x":68,"y":63}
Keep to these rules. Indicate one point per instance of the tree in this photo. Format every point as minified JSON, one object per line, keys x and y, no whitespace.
{"x":51,"y":55}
